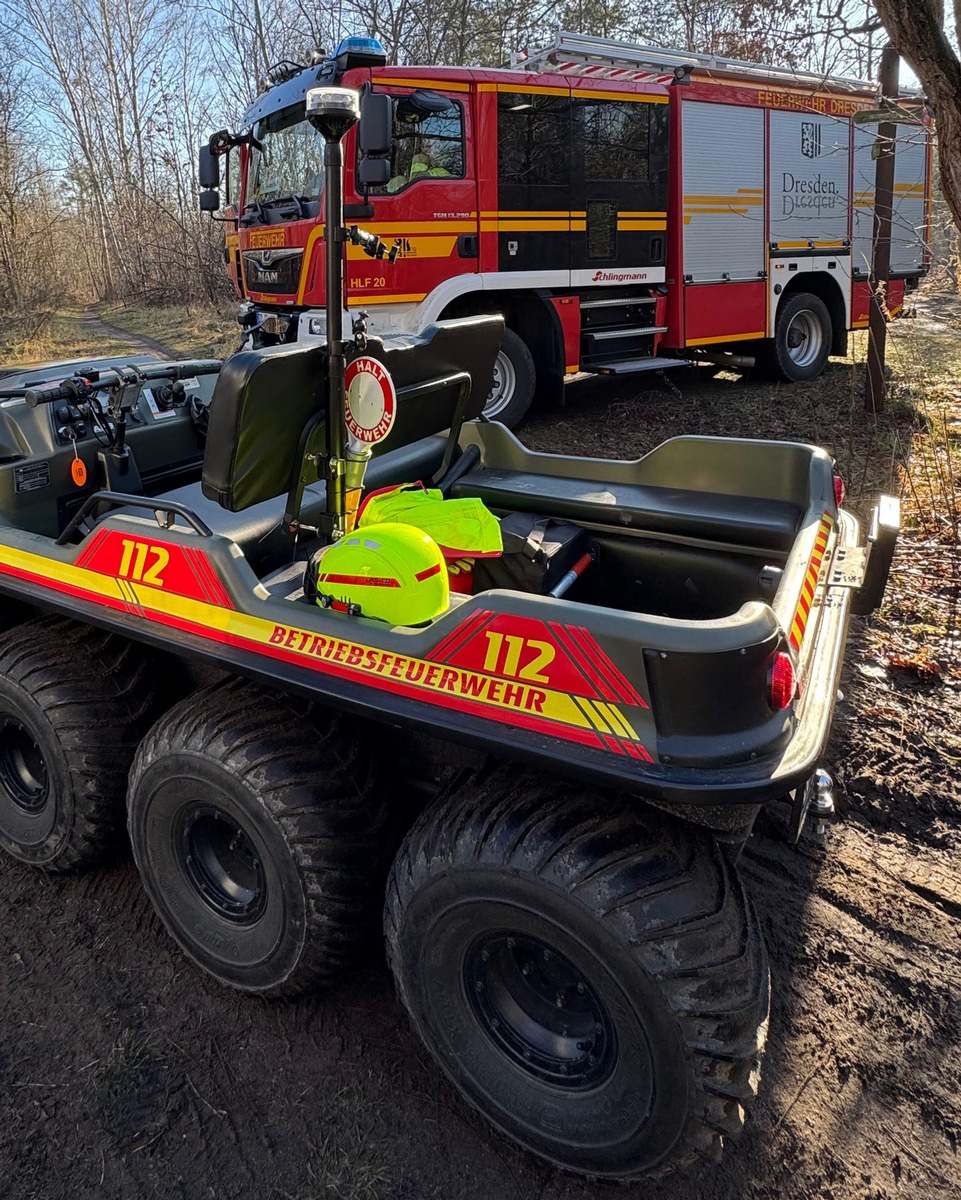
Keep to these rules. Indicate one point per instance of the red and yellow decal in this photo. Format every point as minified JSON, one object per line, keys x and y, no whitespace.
{"x":811,"y":581}
{"x":183,"y":570}
{"x":565,"y":658}
{"x":546,"y":677}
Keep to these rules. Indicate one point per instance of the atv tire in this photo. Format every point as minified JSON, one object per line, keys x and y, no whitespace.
{"x":263,"y":829}
{"x":589,"y":974}
{"x":74,"y":703}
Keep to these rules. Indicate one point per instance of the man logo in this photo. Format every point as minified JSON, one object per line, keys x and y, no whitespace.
{"x":810,"y":139}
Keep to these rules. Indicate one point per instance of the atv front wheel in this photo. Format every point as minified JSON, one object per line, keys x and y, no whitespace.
{"x":590,"y":975}
{"x":74,"y":702}
{"x":262,"y":828}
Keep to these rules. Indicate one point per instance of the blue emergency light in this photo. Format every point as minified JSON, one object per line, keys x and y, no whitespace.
{"x":360,"y":52}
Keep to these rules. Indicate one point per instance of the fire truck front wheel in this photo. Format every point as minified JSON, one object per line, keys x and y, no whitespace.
{"x":802,"y":341}
{"x":512,"y":388}
{"x":588,"y":974}
{"x":262,"y":828}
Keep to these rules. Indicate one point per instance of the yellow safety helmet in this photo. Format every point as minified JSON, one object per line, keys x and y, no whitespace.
{"x":392,"y":572}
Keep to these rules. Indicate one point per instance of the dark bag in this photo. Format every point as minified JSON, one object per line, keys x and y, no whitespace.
{"x":538,"y":552}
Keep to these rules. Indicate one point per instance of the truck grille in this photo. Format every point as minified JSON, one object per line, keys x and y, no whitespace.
{"x":274,"y":271}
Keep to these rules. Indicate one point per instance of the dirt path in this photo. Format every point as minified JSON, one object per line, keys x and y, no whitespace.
{"x":138,"y":341}
{"x":125,"y":1073}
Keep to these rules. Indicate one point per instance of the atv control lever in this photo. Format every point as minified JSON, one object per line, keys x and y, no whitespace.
{"x":371,"y":244}
{"x":70,"y":389}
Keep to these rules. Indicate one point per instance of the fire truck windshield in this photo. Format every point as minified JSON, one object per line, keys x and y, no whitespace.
{"x":285,"y":165}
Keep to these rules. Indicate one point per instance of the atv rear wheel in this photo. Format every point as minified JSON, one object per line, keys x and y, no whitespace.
{"x":74,"y":702}
{"x":589,"y":975}
{"x":262,"y":828}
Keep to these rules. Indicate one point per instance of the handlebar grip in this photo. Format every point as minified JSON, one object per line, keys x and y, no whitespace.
{"x":47,"y":395}
{"x":201,"y":366}
{"x":181,"y":370}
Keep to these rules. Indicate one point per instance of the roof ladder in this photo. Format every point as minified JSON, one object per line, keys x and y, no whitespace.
{"x":605,"y":58}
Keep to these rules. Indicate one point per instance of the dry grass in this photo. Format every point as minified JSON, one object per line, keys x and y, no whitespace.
{"x":350,"y":1162}
{"x":200,"y":331}
{"x":50,"y":336}
{"x":916,"y":636}
{"x":197,"y":331}
{"x":926,"y":359}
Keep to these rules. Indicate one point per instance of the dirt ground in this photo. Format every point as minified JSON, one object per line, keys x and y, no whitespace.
{"x":137,"y":341}
{"x":126,"y":1073}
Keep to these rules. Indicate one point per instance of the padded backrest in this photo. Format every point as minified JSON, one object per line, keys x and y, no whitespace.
{"x":264,"y":398}
{"x":446,"y":348}
{"x":262,"y":401}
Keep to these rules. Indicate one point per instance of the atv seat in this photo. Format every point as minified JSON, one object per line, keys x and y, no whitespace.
{"x":267,"y":402}
{"x":738,"y":520}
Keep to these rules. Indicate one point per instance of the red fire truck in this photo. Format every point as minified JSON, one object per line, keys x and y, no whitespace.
{"x":625,"y":208}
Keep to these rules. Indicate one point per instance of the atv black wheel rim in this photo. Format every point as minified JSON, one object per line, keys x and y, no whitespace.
{"x":539,"y":1010}
{"x":222,"y":864}
{"x":23,"y":772}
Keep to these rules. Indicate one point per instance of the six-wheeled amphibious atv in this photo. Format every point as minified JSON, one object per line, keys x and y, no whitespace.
{"x":550,"y":781}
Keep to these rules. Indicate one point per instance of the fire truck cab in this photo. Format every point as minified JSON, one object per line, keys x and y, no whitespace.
{"x":624,"y":208}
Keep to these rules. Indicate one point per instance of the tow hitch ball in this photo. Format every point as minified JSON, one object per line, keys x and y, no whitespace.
{"x":816,"y":798}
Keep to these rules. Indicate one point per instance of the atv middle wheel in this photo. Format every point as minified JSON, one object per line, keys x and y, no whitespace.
{"x":74,"y":702}
{"x":262,"y":828}
{"x":589,"y":975}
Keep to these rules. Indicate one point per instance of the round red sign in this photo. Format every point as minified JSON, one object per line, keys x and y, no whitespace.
{"x":371,"y":400}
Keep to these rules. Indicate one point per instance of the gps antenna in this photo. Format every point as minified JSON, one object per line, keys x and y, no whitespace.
{"x":332,"y":112}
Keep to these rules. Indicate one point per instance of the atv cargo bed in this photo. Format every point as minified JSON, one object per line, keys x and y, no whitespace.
{"x":652,"y":674}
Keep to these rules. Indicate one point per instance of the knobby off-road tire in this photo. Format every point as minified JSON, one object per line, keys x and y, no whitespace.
{"x":263,"y":828}
{"x":74,"y":703}
{"x":589,"y":975}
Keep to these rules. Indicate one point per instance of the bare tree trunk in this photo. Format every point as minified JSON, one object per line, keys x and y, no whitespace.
{"x":917,"y":32}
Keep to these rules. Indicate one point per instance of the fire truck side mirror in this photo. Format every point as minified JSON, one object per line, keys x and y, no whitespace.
{"x":376,"y":124}
{"x":372,"y":172}
{"x":209,"y":200}
{"x":208,"y":173}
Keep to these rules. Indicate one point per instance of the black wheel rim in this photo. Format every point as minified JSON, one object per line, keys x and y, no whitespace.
{"x":23,"y":771}
{"x":222,"y":863}
{"x":539,"y":1010}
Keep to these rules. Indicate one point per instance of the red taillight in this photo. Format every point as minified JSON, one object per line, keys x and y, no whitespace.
{"x":782,"y":681}
{"x":838,"y":490}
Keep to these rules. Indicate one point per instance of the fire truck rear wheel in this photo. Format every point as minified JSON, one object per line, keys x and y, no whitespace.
{"x":263,"y":829}
{"x":590,"y":975}
{"x":801,"y":345}
{"x":74,"y":703}
{"x":512,"y":388}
